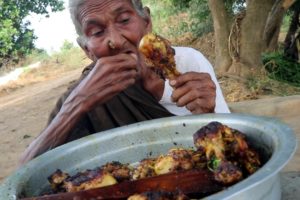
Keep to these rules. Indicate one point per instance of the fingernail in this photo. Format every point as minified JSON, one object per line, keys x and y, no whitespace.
{"x":172,"y":82}
{"x":134,"y":56}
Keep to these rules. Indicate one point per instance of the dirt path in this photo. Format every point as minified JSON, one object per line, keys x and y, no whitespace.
{"x":24,"y":114}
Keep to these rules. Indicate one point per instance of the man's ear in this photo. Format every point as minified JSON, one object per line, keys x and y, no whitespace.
{"x":84,"y":47}
{"x":148,"y":19}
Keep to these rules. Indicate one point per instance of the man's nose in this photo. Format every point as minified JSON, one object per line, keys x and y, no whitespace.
{"x":116,"y":39}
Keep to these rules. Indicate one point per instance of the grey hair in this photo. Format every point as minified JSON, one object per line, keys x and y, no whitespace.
{"x":74,"y":6}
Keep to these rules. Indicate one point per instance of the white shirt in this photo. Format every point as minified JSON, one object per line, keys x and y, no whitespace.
{"x":187,"y":60}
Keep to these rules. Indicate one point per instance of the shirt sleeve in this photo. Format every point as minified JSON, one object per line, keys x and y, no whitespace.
{"x":188,"y":59}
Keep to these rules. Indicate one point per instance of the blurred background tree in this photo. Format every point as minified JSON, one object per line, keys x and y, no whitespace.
{"x":244,"y":30}
{"x":292,"y":39}
{"x":16,"y":38}
{"x":244,"y":33}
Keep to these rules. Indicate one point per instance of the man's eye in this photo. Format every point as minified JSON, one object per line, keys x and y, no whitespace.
{"x":125,"y":20}
{"x":97,"y":32}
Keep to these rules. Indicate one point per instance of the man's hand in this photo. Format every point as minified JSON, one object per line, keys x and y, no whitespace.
{"x":195,"y":91}
{"x":110,"y":76}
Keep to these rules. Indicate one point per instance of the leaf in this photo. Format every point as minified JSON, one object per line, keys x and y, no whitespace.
{"x":16,"y":38}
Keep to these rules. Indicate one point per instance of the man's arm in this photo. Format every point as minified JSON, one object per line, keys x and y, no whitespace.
{"x":110,"y":76}
{"x":199,"y":86}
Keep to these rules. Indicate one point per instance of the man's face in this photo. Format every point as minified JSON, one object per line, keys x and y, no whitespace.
{"x":111,"y":20}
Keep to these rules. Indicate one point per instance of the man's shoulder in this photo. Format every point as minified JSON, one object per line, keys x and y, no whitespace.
{"x":185,"y":50}
{"x":189,"y":54}
{"x":190,"y":59}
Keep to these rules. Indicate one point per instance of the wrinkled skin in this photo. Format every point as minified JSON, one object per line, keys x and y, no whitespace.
{"x":117,"y":69}
{"x":196,"y":91}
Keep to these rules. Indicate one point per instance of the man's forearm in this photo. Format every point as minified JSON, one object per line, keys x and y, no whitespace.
{"x":55,"y":133}
{"x":58,"y":130}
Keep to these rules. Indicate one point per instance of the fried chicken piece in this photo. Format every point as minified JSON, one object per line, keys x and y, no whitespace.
{"x":56,"y":181}
{"x":89,"y":179}
{"x":175,"y":160}
{"x":199,"y":159}
{"x":251,"y":161}
{"x":210,"y":139}
{"x":227,"y":173}
{"x":144,"y":169}
{"x":159,"y":54}
{"x":119,"y":171}
{"x":237,"y":149}
{"x":160,"y":195}
{"x":235,"y":142}
{"x":227,"y":152}
{"x":178,"y":159}
{"x":108,"y":174}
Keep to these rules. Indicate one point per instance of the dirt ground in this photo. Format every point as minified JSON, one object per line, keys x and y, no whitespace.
{"x":24,"y":114}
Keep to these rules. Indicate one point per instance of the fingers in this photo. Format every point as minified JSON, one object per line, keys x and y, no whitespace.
{"x":113,"y":70}
{"x":124,"y":79}
{"x":193,"y":94}
{"x":109,"y":76}
{"x":190,"y":76}
{"x":199,"y":106}
{"x":135,"y":57}
{"x":196,"y":84}
{"x":117,"y":63}
{"x":195,"y":91}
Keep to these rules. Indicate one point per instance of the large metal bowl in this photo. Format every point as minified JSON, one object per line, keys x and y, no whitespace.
{"x":132,"y":143}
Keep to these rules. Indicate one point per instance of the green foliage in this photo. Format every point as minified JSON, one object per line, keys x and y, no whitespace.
{"x":35,"y":56}
{"x":294,"y":7}
{"x":181,"y":4}
{"x":69,"y":56}
{"x":201,"y":18}
{"x":282,"y":69}
{"x":16,"y":38}
{"x":285,"y":23}
{"x":183,"y":16}
{"x":160,"y":14}
{"x":67,"y":45}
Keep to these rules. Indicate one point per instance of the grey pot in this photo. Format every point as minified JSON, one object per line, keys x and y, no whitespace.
{"x":130,"y":144}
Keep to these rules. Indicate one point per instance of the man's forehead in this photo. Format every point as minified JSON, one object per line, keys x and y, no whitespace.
{"x":102,"y":6}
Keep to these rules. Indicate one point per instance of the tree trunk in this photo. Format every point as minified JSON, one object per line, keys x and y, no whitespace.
{"x":251,"y":43}
{"x":239,"y":48}
{"x":272,"y":29}
{"x":274,"y":22}
{"x":291,"y":34}
{"x":221,"y":27}
{"x":288,"y":3}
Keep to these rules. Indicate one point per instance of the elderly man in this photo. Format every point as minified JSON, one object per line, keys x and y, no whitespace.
{"x":118,"y":88}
